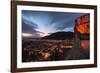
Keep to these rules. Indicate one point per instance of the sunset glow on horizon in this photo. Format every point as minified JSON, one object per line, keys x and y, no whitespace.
{"x":26,"y":34}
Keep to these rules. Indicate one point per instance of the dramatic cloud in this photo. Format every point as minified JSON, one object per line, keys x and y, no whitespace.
{"x":40,"y":23}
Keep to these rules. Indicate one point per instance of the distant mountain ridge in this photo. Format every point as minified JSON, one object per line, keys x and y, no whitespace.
{"x":60,"y":36}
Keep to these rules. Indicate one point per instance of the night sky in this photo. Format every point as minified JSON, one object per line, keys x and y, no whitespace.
{"x":43,"y":23}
